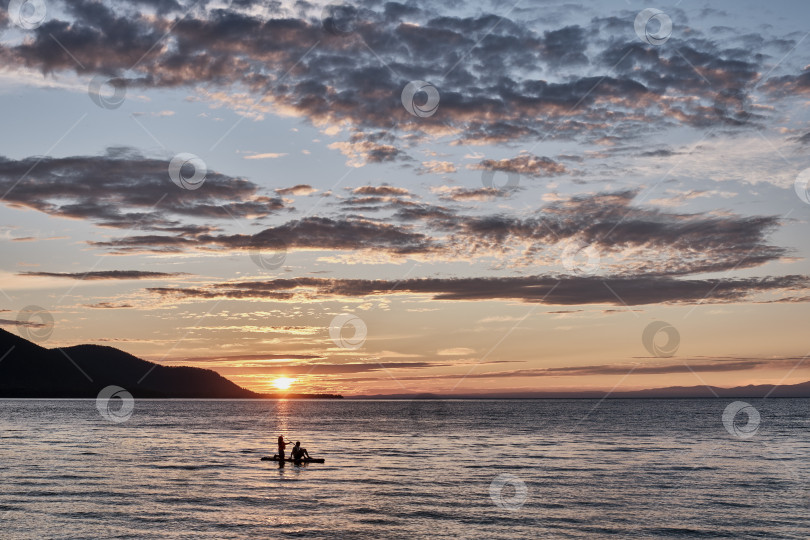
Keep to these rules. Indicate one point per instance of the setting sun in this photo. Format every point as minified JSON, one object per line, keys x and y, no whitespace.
{"x":283,"y":383}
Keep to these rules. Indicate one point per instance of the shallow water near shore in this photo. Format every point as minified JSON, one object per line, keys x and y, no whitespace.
{"x":396,"y":469}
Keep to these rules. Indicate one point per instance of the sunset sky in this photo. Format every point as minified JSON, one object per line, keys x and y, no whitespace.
{"x":564,"y":179}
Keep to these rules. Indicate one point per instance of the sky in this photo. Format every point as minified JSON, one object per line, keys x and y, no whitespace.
{"x":386,"y":198}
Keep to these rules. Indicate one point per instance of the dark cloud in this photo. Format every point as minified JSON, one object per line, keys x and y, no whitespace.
{"x":364,"y":148}
{"x":526,"y":165}
{"x":675,"y":244}
{"x":804,"y":139}
{"x":661,"y":242}
{"x":331,"y":234}
{"x":331,"y":369}
{"x":108,"y":305}
{"x":149,"y":243}
{"x":460,"y":194}
{"x":384,"y":190}
{"x":565,"y":46}
{"x":106,"y":275}
{"x":124,"y":189}
{"x":788,"y":85}
{"x":550,"y":290}
{"x":378,"y":198}
{"x":429,"y":213}
{"x":246,"y":357}
{"x":306,"y":234}
{"x":29,"y":324}
{"x":478,"y":63}
{"x":663,"y":152}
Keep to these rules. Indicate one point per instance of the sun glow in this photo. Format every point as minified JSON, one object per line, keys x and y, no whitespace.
{"x":283,"y":383}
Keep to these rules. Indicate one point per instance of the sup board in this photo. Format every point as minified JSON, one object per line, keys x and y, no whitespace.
{"x":291,"y":460}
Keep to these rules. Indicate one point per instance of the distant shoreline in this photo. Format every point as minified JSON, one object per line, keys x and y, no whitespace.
{"x":771,"y":391}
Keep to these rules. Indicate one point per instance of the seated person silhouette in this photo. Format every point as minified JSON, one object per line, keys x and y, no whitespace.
{"x":298,"y":452}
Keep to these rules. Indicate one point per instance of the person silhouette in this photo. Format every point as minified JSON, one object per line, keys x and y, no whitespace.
{"x":282,"y":444}
{"x":298,"y":452}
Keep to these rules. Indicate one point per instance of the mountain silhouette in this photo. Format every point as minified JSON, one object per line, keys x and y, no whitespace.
{"x":28,"y":370}
{"x":759,"y":391}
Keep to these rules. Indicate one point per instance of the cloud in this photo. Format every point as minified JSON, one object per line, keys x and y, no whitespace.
{"x":461,"y":194}
{"x":595,"y":76}
{"x":106,"y":275}
{"x":361,"y":151}
{"x":377,"y":198}
{"x":300,"y":189}
{"x":37,"y":239}
{"x":332,"y":369}
{"x":311,"y":233}
{"x":437,"y":167}
{"x":548,"y":290}
{"x":29,"y":324}
{"x":630,"y":240}
{"x":124,"y":189}
{"x":245,"y":357}
{"x":108,"y":305}
{"x":524,"y":164}
{"x":384,"y":190}
{"x":330,"y":234}
{"x":661,"y":242}
{"x":790,"y":85}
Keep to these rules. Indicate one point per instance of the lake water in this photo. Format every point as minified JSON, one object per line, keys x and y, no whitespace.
{"x":402,"y":469}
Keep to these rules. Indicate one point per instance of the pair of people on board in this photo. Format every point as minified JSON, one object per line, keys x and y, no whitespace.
{"x":297,"y":451}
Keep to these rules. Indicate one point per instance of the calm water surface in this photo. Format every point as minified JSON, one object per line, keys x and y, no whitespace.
{"x":397,"y":469}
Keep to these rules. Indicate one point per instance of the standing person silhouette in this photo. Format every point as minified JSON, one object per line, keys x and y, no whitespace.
{"x":282,"y":444}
